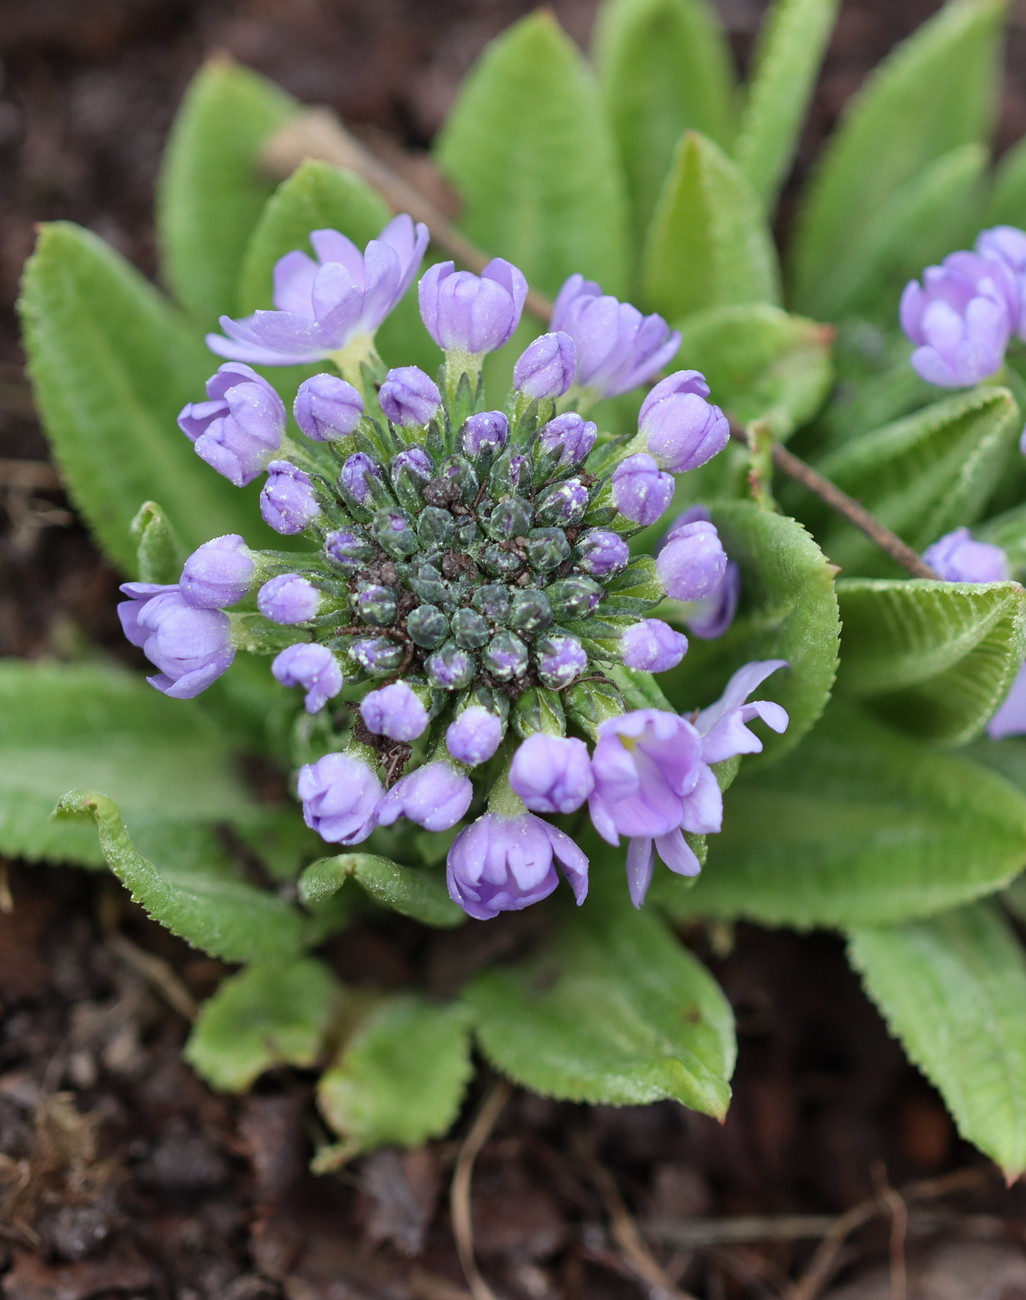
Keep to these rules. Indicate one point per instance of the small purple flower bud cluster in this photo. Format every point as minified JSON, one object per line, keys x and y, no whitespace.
{"x":464,"y":583}
{"x":964,"y":314}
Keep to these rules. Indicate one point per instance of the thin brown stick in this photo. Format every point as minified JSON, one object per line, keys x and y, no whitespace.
{"x":895,"y":1204}
{"x":35,"y":475}
{"x":459,"y":1192}
{"x":157,"y":973}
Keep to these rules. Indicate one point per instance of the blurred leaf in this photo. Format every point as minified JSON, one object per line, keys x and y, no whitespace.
{"x":934,"y":93}
{"x":211,"y":187}
{"x":112,"y":365}
{"x":664,"y":67}
{"x":921,"y":476}
{"x":788,"y":610}
{"x":399,"y":1079}
{"x":790,"y":49}
{"x":412,"y":891}
{"x":612,"y":1010}
{"x":207,"y":905}
{"x":529,"y":149}
{"x":933,"y":658}
{"x":708,"y":244}
{"x":1008,"y":531}
{"x":1007,"y":206}
{"x":858,"y":826}
{"x":761,"y":364}
{"x":265,"y":1016}
{"x":952,"y":990}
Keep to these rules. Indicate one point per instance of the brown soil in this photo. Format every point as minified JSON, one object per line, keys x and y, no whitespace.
{"x":123,"y":1175}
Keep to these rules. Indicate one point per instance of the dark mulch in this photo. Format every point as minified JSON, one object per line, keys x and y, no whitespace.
{"x":122,"y":1174}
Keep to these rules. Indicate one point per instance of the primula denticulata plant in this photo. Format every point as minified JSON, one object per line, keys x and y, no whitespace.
{"x":524,"y":601}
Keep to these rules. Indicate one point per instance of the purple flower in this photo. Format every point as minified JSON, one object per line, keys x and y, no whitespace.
{"x":327,"y":408}
{"x":617,"y":347}
{"x":957,"y":557}
{"x":552,"y":774}
{"x":709,"y":617}
{"x":961,"y":319}
{"x":560,"y":660}
{"x":468,"y":313}
{"x":641,"y":491}
{"x":218,"y":573}
{"x":339,"y":794}
{"x":546,"y":367}
{"x":394,"y":711}
{"x":602,"y":552}
{"x":314,"y":668}
{"x":644,"y":764}
{"x":323,"y":304}
{"x":681,"y":429}
{"x":450,"y":668}
{"x":1008,"y":244}
{"x":653,"y":646}
{"x":191,"y":647}
{"x":358,"y":475}
{"x":474,"y":736}
{"x":414,"y":461}
{"x":1010,"y":719}
{"x":692,"y":561}
{"x":347,"y":548}
{"x":502,"y":864}
{"x":238,"y":430}
{"x":435,"y":797}
{"x":673,"y":850}
{"x":486,"y":431}
{"x":288,"y":501}
{"x":723,"y":725}
{"x":570,"y":435}
{"x":409,"y":396}
{"x":288,"y":599}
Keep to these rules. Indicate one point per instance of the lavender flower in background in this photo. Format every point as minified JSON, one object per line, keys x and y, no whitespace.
{"x":958,"y":557}
{"x":314,"y":668}
{"x":503,"y":864}
{"x":219,"y":573}
{"x":191,"y":647}
{"x":240,"y":427}
{"x":472,"y":314}
{"x":327,"y":408}
{"x":1007,"y":244}
{"x":326,"y":304}
{"x":339,"y":794}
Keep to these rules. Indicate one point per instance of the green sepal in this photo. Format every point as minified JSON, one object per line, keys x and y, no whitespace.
{"x":411,"y":891}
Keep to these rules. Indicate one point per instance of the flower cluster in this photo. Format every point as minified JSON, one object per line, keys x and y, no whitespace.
{"x":964,"y":314}
{"x":467,"y":624}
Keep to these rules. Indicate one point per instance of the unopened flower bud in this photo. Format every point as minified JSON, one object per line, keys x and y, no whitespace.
{"x":568,"y":439}
{"x":376,"y":605}
{"x":218,"y":573}
{"x":327,"y":409}
{"x":238,"y":430}
{"x":377,"y":656}
{"x":413,"y":461}
{"x":641,"y":491}
{"x":314,"y":668}
{"x":958,"y":557}
{"x":552,"y":774}
{"x":575,"y":597}
{"x":511,"y":473}
{"x":681,"y":429}
{"x":487,"y":431}
{"x":546,"y":368}
{"x":563,"y":503}
{"x":450,"y":668}
{"x":692,"y":561}
{"x":470,"y":629}
{"x":653,"y":646}
{"x":436,"y":797}
{"x":531,"y":611}
{"x":499,"y":562}
{"x":394,"y":711}
{"x":492,"y":600}
{"x":510,"y":519}
{"x":602,"y":552}
{"x":435,"y":527}
{"x":428,"y":627}
{"x":474,"y":736}
{"x":409,"y":396}
{"x":288,"y":599}
{"x":394,"y":534}
{"x":471,"y":313}
{"x":288,"y":501}
{"x":506,"y":657}
{"x":340,"y":794}
{"x":426,"y":583}
{"x":347,"y":549}
{"x":547,"y":548}
{"x":359,"y":478}
{"x":560,"y":660}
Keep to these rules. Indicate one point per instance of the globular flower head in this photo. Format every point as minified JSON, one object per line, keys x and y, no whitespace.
{"x":503,"y":864}
{"x":551,"y":774}
{"x":692,"y":561}
{"x":653,"y":646}
{"x":641,"y":490}
{"x":472,"y":314}
{"x":644,"y":764}
{"x":240,"y":427}
{"x":617,"y":347}
{"x":394,"y":711}
{"x":314,"y":668}
{"x":569,"y":438}
{"x":474,"y":735}
{"x":218,"y":573}
{"x":288,"y":499}
{"x":546,"y":368}
{"x":958,"y":557}
{"x":289,"y":599}
{"x":961,"y":318}
{"x":409,"y":396}
{"x":326,"y":302}
{"x":486,"y":431}
{"x":191,"y":647}
{"x":681,"y":429}
{"x":340,"y":794}
{"x":435,"y":797}
{"x":327,"y":409}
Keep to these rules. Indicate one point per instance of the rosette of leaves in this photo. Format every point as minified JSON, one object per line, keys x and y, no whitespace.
{"x":880,"y":814}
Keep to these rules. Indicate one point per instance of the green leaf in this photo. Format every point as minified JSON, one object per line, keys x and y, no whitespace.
{"x":1007,"y":206}
{"x":664,"y":67}
{"x":159,"y":553}
{"x":858,"y":826}
{"x":399,"y":1079}
{"x":934,"y":93}
{"x":708,"y":244}
{"x":411,"y":891}
{"x":612,"y":1010}
{"x":211,"y":187}
{"x":952,"y":990}
{"x":933,"y":212}
{"x":206,"y":905}
{"x":761,"y":364}
{"x":791,"y":46}
{"x":265,"y":1016}
{"x":788,"y":610}
{"x":921,"y":476}
{"x":112,"y":364}
{"x":530,"y":151}
{"x":1008,"y":531}
{"x":933,"y":658}
{"x":63,"y":725}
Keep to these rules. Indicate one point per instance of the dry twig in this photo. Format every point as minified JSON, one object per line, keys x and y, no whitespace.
{"x":459,"y":1193}
{"x":157,"y":973}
